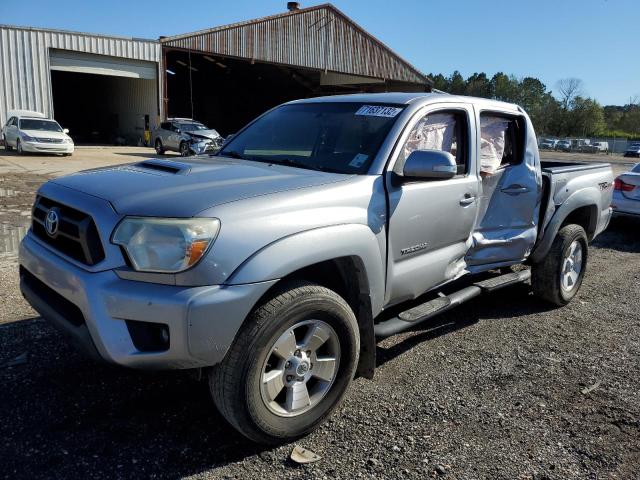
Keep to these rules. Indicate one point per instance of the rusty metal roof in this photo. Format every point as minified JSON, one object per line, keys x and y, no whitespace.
{"x":319,"y":38}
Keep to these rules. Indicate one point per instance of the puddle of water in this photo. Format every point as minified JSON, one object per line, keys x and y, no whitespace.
{"x":8,"y":192}
{"x":10,"y":237}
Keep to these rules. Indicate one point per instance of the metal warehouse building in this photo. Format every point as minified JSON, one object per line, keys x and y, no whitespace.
{"x":107,"y":89}
{"x":100,"y":87}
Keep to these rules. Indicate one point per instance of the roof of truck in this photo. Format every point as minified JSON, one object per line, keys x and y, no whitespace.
{"x":399,"y":98}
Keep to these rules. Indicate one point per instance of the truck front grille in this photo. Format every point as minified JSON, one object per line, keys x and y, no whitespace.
{"x":76,"y":234}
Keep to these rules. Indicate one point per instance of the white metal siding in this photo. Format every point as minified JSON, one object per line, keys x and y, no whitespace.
{"x":25,"y":81}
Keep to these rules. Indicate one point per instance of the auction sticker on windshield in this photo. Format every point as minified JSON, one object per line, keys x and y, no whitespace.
{"x":378,"y":111}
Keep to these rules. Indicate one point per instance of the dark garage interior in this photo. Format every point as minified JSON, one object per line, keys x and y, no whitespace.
{"x":226,"y":93}
{"x":103,"y":109}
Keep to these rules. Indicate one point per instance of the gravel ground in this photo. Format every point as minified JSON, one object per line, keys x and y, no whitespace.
{"x":503,"y":387}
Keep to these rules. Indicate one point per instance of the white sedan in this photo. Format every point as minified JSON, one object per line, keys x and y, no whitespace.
{"x":32,"y":133}
{"x":626,"y":193}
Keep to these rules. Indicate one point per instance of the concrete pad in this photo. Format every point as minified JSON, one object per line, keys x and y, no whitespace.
{"x":83,"y":158}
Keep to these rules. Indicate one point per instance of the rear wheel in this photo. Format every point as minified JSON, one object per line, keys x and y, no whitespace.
{"x":159,"y":147}
{"x":7,"y":147}
{"x":558,"y":277}
{"x":290,"y":365}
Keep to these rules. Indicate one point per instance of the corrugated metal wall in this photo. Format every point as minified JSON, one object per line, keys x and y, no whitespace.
{"x":25,"y":81}
{"x":321,"y":38}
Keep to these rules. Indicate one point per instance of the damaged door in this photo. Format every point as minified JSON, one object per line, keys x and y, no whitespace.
{"x":431,"y":220}
{"x":511,"y":191}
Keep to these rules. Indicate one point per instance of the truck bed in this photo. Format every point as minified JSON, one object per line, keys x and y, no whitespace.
{"x":552,"y":166}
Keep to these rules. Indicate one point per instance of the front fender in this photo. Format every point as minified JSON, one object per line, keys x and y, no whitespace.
{"x":291,"y":253}
{"x":586,"y":197}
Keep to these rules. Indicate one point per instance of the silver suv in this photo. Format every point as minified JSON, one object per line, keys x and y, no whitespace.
{"x":186,"y":136}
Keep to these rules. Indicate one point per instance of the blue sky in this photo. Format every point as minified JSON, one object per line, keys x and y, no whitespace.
{"x":597,"y":41}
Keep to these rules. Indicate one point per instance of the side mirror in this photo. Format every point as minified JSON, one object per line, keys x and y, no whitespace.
{"x":65,"y":130}
{"x":434,"y":164}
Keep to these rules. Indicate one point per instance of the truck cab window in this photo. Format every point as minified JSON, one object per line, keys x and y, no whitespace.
{"x":501,"y":141}
{"x":444,"y":131}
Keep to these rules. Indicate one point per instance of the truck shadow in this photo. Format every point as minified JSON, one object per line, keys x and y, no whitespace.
{"x":621,"y":235}
{"x":493,"y":306}
{"x":66,"y":417}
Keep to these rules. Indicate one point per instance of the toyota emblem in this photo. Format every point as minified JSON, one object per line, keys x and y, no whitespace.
{"x":51,"y":222}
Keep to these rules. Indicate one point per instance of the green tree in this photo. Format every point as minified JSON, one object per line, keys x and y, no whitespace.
{"x":478,"y":85}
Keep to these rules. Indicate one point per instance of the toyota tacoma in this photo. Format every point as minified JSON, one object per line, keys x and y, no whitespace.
{"x":272,"y":267}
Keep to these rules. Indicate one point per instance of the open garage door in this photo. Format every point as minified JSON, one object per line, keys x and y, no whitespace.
{"x":103,"y":99}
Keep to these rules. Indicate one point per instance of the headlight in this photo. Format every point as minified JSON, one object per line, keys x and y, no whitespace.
{"x":166,"y":245}
{"x":68,"y":140}
{"x":199,"y":147}
{"x":27,"y":138}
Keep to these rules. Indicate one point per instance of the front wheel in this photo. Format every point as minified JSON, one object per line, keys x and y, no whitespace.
{"x":558,"y":277}
{"x":19,"y":147}
{"x":290,"y":365}
{"x":184,"y":149}
{"x":158,"y":146}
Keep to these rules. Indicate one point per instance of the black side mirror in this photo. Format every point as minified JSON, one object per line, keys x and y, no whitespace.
{"x":434,"y":164}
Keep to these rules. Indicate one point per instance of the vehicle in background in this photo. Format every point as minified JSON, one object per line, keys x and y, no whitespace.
{"x":563,"y":146}
{"x":626,"y":193}
{"x":596,"y":147}
{"x":547,"y":144}
{"x":322,"y":225}
{"x":187,"y":137}
{"x":633,"y":150}
{"x":580,"y":145}
{"x":32,"y":132}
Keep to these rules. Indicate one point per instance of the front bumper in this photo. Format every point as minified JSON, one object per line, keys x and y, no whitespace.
{"x":202,"y":321}
{"x":41,"y":147}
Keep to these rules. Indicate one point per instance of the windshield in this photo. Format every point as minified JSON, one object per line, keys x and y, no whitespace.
{"x":43,"y":125}
{"x":191,"y":127}
{"x":334,"y":137}
{"x":636,"y":168}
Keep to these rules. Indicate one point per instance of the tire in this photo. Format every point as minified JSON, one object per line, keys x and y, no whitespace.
{"x":7,"y":147}
{"x":184,"y":149}
{"x":19,"y":147}
{"x":548,"y":277}
{"x":159,"y":148}
{"x":237,"y":384}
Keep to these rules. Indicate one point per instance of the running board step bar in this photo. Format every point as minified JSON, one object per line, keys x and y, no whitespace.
{"x":413,"y":316}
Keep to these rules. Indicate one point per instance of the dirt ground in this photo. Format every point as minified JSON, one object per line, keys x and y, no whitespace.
{"x":503,"y":387}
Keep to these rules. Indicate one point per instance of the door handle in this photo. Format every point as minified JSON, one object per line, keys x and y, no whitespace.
{"x":468,"y":199}
{"x":515,"y":189}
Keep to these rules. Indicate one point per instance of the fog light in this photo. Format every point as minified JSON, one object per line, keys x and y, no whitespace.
{"x":149,"y":336}
{"x":164,"y":334}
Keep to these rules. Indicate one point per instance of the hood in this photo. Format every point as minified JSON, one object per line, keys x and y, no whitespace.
{"x":45,"y":134}
{"x":183,"y":189}
{"x":210,"y":134}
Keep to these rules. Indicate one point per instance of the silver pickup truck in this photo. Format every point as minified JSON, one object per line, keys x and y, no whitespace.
{"x":323,"y":225}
